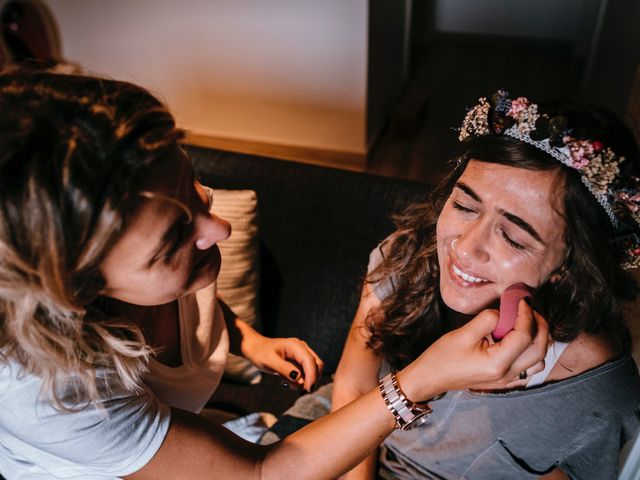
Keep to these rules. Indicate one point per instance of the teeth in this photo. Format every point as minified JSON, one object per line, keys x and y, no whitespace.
{"x":465,"y":277}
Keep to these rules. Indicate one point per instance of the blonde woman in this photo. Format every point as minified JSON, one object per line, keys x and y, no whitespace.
{"x":111,"y":338}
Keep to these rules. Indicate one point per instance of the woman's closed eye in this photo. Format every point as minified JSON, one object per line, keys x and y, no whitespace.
{"x":511,"y":242}
{"x":181,"y":234}
{"x":466,"y":209}
{"x":201,"y":201}
{"x":462,"y":208}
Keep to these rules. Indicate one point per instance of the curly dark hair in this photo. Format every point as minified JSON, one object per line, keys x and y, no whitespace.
{"x":591,"y":287}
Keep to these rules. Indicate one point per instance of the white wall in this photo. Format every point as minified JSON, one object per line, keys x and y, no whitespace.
{"x":278,"y":71}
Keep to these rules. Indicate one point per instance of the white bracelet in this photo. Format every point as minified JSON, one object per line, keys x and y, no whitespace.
{"x":407,"y":413}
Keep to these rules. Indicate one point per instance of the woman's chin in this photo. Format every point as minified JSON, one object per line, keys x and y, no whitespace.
{"x":465,"y":305}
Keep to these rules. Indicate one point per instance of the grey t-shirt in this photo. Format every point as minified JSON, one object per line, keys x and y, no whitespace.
{"x":578,"y":424}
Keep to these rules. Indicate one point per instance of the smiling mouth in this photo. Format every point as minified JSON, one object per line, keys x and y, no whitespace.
{"x":466,"y":277}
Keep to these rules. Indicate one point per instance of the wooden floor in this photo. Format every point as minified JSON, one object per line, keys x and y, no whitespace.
{"x":448,"y":78}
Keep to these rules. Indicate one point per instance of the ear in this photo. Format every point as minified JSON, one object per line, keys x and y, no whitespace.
{"x":558,"y":274}
{"x":561,"y":270}
{"x":555,"y":278}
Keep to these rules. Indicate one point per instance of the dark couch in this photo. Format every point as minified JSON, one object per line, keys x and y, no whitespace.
{"x":317,"y":226}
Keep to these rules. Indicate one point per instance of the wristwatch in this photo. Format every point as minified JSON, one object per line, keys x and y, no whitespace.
{"x":407,"y":413}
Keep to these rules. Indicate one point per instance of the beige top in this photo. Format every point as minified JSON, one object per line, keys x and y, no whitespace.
{"x":204,"y":346}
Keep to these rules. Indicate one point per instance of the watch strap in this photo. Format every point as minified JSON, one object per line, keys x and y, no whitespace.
{"x":406,"y":413}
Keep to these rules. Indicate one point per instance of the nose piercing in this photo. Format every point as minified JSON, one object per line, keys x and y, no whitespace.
{"x":453,"y":244}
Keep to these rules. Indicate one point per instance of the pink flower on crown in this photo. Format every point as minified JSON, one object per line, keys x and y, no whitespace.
{"x":517,"y":106}
{"x":581,"y":151}
{"x":631,"y":201}
{"x":524,"y":113}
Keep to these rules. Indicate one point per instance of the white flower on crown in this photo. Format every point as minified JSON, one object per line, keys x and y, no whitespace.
{"x":476,"y":121}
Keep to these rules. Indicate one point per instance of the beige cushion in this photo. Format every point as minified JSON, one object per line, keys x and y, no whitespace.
{"x":238,"y":282}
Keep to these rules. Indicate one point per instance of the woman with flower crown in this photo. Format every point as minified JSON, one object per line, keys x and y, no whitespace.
{"x":547,"y":196}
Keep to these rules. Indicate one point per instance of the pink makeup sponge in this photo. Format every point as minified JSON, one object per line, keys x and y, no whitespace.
{"x":509,"y":308}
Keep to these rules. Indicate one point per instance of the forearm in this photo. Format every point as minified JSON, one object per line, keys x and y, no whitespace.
{"x":195,"y":448}
{"x":352,"y":380}
{"x":241,"y":334}
{"x":247,"y":338}
{"x":356,"y":431}
{"x":344,"y":392}
{"x":340,"y":441}
{"x":365,"y":470}
{"x":357,"y":374}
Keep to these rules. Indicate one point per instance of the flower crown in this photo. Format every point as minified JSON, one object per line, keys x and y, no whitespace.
{"x":598,"y":165}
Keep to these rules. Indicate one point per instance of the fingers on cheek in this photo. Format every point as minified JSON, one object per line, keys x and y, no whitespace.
{"x":541,"y":325}
{"x":521,"y":341}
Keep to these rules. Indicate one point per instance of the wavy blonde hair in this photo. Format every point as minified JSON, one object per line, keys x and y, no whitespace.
{"x":74,"y":151}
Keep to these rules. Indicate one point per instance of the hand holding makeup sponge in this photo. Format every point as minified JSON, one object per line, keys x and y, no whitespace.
{"x":509,"y":308}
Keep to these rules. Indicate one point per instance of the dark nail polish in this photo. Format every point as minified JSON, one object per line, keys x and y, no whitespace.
{"x":293,"y":375}
{"x":285,"y":384}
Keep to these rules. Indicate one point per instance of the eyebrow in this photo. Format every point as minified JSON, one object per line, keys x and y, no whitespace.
{"x":167,"y":237}
{"x":172,"y":229}
{"x":516,"y":220}
{"x":466,"y":189}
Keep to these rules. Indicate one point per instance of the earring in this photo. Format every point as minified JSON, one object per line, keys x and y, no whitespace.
{"x":558,"y":275}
